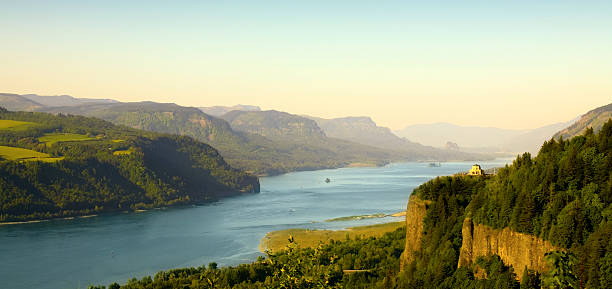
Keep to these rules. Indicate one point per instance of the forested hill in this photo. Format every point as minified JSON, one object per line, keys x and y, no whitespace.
{"x":251,"y":152}
{"x":593,"y":119}
{"x":360,"y":135}
{"x":276,"y":125}
{"x":260,"y":142}
{"x":59,"y":165}
{"x":563,"y":196}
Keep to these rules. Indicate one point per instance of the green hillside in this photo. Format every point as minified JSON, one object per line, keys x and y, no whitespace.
{"x":259,"y":153}
{"x":73,"y":165}
{"x":592,"y":119}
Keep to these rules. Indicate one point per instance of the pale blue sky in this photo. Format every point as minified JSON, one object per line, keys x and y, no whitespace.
{"x":400,"y":62}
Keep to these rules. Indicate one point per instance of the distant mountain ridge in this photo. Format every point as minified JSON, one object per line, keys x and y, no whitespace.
{"x":594,"y":118}
{"x":221,"y":110}
{"x":252,"y":152}
{"x":360,"y":129}
{"x":64,"y":100}
{"x":364,"y":130}
{"x":274,"y":124}
{"x":262,"y":142}
{"x":482,"y":138}
{"x":437,"y":134}
{"x":16,"y":102}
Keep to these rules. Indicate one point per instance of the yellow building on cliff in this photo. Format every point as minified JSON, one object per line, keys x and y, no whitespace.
{"x":476,"y":171}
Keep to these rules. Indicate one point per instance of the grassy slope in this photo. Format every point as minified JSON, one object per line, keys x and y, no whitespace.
{"x":14,"y":125}
{"x":277,"y":240}
{"x":19,"y":154}
{"x":50,"y":138}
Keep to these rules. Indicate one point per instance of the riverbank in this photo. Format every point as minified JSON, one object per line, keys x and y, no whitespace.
{"x":44,"y":220}
{"x":306,"y":238}
{"x":363,"y":217}
{"x":140,"y":209}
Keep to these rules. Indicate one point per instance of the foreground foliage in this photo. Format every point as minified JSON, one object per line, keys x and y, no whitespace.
{"x":295,"y":267}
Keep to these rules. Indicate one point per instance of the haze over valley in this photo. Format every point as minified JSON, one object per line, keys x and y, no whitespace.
{"x":306,"y":144}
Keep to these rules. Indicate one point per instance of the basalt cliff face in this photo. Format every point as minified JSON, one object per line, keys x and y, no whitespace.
{"x":516,"y":249}
{"x":415,"y":214}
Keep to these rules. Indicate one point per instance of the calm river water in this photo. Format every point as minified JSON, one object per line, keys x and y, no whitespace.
{"x":104,"y":249}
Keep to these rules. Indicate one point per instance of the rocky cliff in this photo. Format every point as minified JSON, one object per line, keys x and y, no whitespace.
{"x":516,"y":249}
{"x":415,"y":214}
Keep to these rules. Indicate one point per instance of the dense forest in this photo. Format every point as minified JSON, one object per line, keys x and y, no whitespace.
{"x":563,"y":195}
{"x":64,"y":165}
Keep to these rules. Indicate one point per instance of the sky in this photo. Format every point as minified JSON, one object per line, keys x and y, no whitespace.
{"x":507,"y":64}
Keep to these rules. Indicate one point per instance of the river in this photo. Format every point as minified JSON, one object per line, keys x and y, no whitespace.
{"x":116,"y":247}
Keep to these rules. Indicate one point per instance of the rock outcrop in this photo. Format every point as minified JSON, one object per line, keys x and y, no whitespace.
{"x":415,"y":214}
{"x":516,"y":249}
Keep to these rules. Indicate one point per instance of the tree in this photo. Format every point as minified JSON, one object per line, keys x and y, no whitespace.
{"x":530,"y":279}
{"x":562,"y":274}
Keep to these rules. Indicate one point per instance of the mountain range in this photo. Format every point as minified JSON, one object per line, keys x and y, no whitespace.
{"x":483,"y":139}
{"x":221,"y":110}
{"x":364,"y":130}
{"x":274,"y":142}
{"x":260,"y":142}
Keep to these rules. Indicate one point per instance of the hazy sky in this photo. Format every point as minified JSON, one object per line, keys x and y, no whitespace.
{"x":515,"y":65}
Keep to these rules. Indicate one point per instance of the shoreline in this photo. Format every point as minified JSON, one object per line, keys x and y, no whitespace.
{"x":368,"y":216}
{"x":229,"y":195}
{"x":47,"y":220}
{"x":275,"y":241}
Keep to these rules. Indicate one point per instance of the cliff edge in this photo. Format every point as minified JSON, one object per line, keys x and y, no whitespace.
{"x":516,"y":249}
{"x":415,"y":214}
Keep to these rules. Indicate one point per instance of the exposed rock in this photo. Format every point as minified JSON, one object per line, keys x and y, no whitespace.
{"x":415,"y":214}
{"x":516,"y":249}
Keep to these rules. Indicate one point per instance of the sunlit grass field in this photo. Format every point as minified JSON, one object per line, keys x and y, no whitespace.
{"x":7,"y":124}
{"x":122,"y":152}
{"x":277,"y":240}
{"x":20,"y":154}
{"x":50,"y":138}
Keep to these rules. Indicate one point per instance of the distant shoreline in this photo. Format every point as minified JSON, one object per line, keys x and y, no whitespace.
{"x":46,"y":220}
{"x":199,"y":203}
